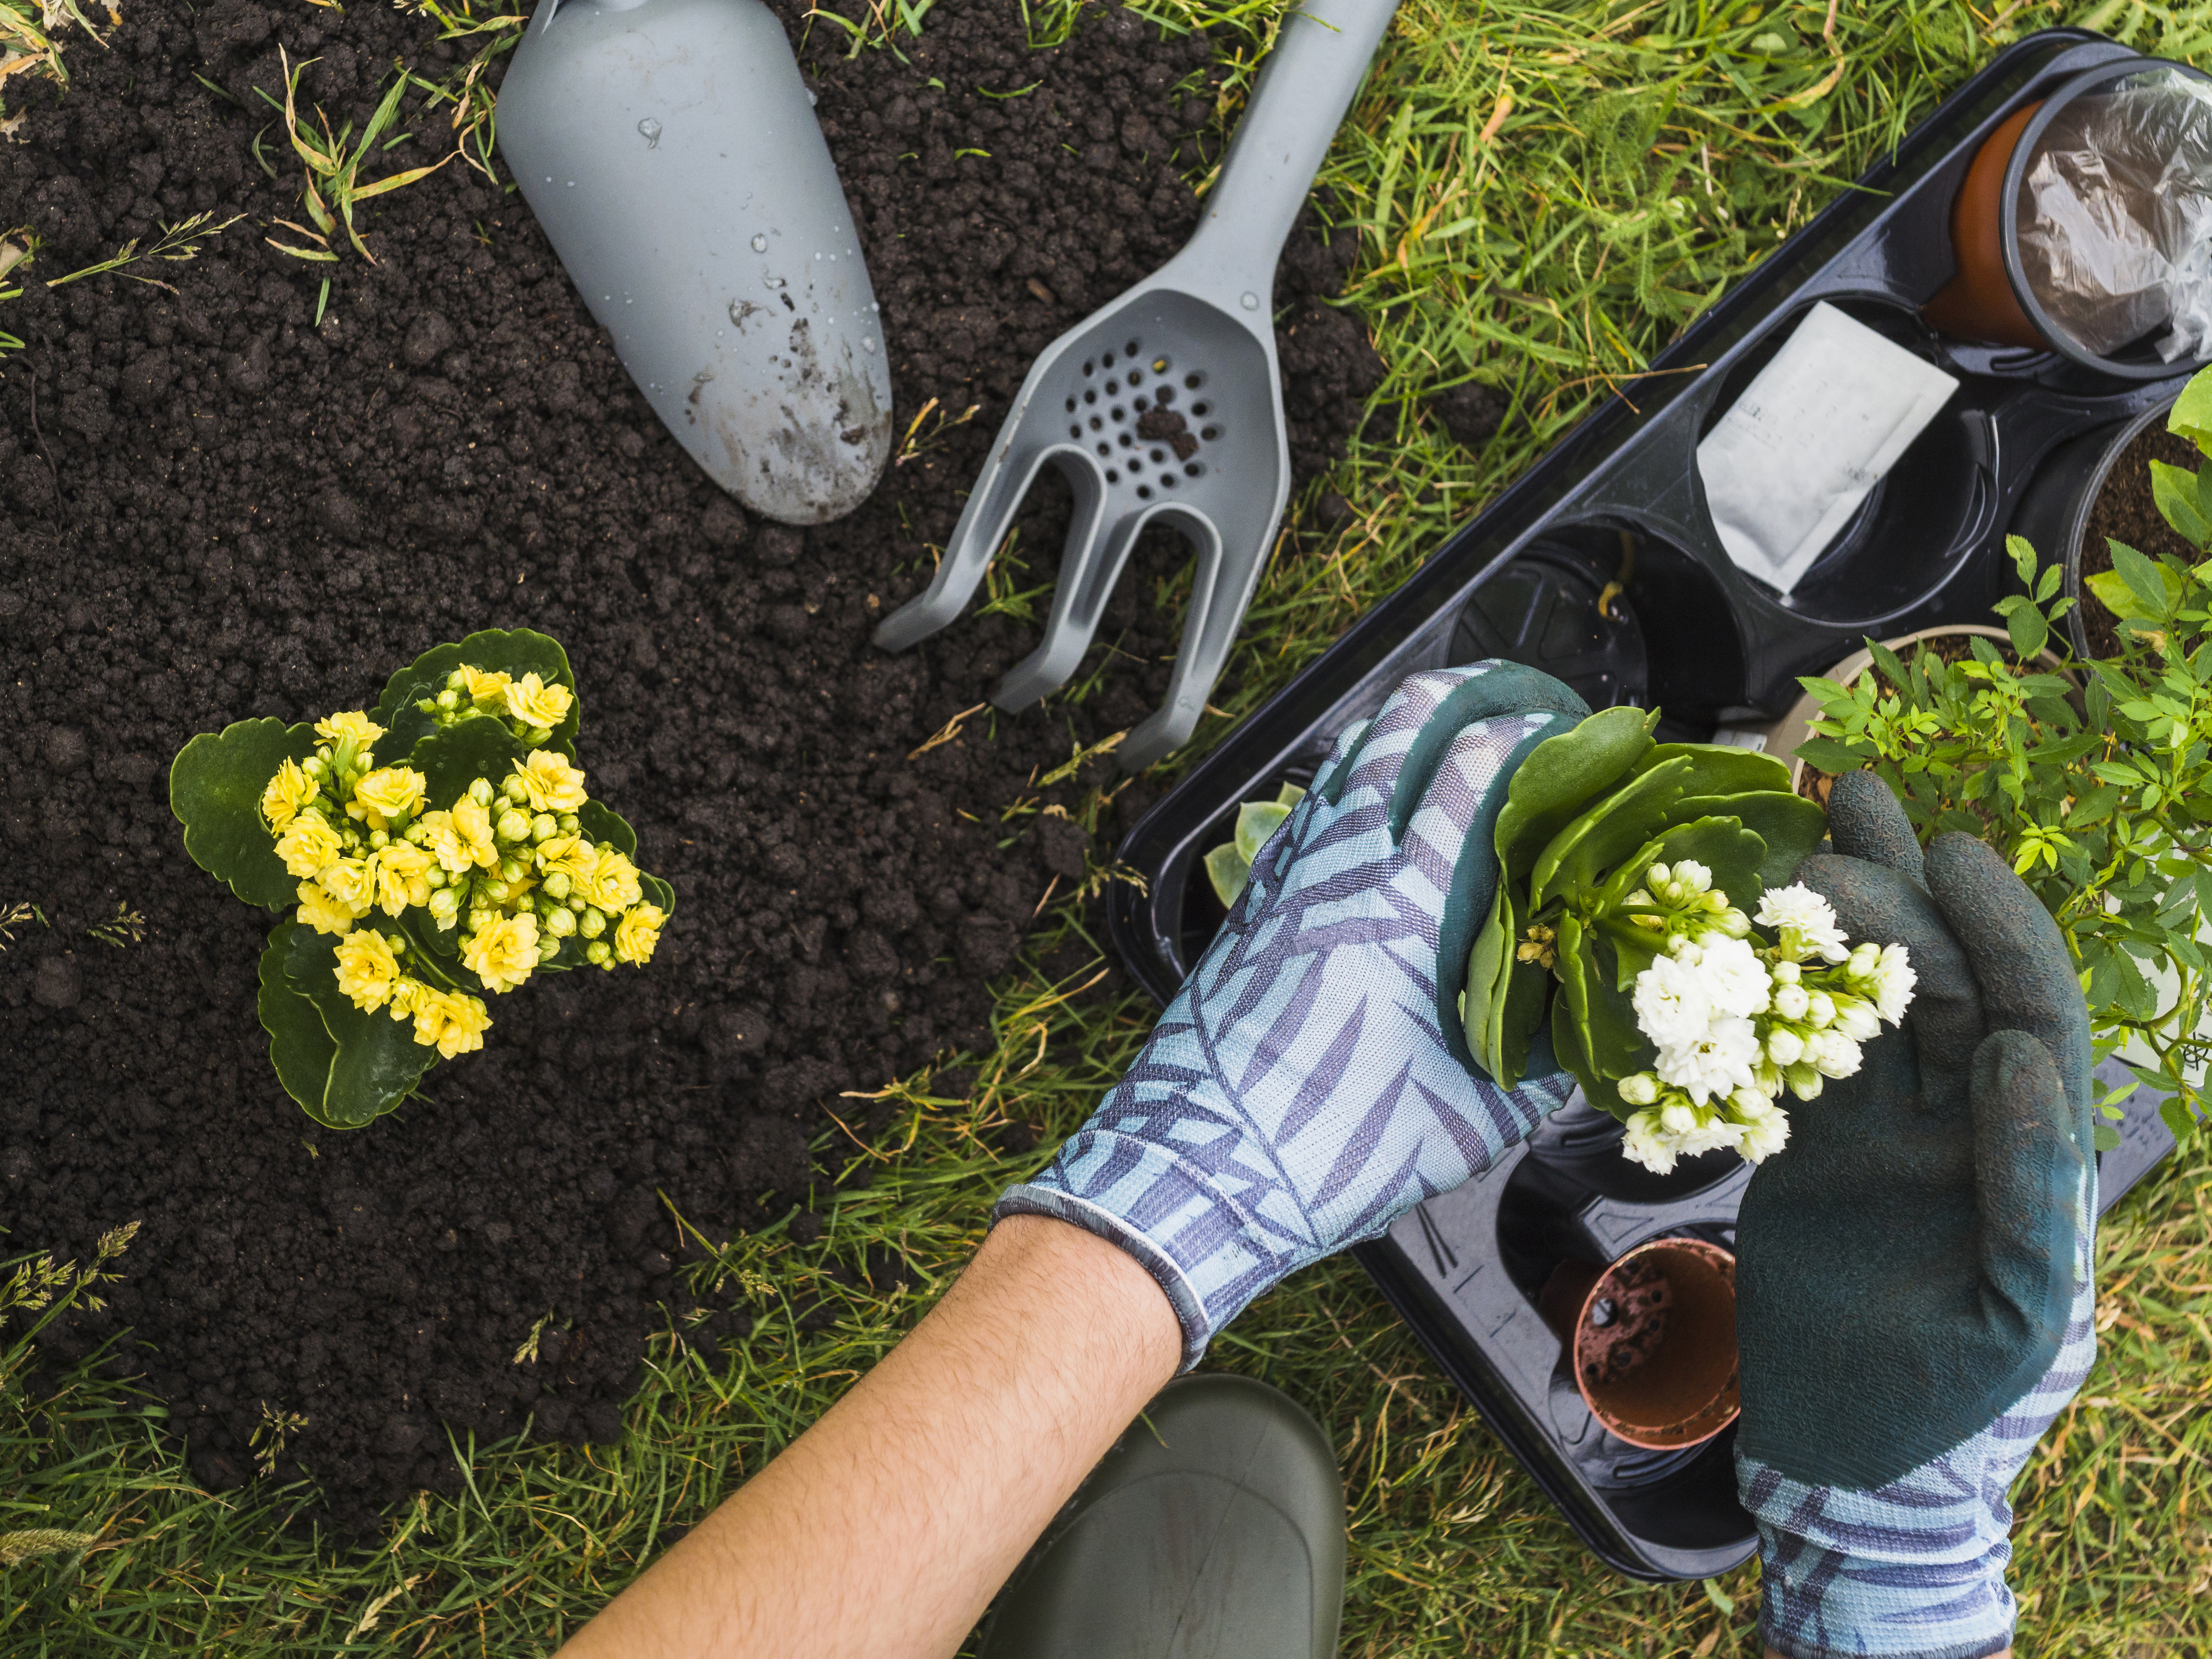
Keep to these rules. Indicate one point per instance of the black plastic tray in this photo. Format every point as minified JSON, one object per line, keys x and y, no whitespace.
{"x":1710,"y":646}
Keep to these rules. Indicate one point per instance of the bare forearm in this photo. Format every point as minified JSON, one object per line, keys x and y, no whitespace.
{"x":886,"y":1529}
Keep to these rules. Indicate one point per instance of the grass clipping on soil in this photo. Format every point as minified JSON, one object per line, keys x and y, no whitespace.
{"x":1511,"y":170}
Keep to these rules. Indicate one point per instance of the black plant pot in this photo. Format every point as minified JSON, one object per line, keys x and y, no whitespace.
{"x":2054,"y":512}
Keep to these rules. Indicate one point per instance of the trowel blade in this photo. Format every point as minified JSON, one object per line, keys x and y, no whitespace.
{"x":670,"y":149}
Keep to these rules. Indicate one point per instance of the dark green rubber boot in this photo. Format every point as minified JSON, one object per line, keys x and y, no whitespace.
{"x":1214,"y":1529}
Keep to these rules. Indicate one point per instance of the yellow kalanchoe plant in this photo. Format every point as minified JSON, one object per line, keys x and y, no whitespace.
{"x":422,"y":886}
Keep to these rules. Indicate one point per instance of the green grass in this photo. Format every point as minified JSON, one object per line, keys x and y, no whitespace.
{"x":1534,"y":250}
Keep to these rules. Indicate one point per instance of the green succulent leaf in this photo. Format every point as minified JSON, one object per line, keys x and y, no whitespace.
{"x":607,"y":827}
{"x":437,"y":952}
{"x":515,"y":651}
{"x":377,"y":1063}
{"x":1722,"y":769}
{"x":1573,"y":1009}
{"x":1528,"y":996}
{"x":1227,"y":870}
{"x":454,"y":757}
{"x":299,"y":1048}
{"x":1486,"y":967}
{"x":1606,"y":831}
{"x":1789,"y":825}
{"x":215,"y":790}
{"x":1256,"y":820}
{"x":1561,"y":774}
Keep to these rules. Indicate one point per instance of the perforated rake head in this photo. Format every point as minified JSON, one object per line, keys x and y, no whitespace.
{"x":1164,"y":407}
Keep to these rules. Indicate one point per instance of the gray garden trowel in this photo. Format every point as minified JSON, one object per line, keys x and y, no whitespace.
{"x":1164,"y":406}
{"x":670,"y":149}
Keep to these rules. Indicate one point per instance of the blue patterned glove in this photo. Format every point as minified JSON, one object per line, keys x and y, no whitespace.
{"x":1310,"y":1082}
{"x":1914,"y":1273}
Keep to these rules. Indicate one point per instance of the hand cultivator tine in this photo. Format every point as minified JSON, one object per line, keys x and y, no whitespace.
{"x":1087,"y":575}
{"x":1219,"y":592}
{"x":983,"y":524}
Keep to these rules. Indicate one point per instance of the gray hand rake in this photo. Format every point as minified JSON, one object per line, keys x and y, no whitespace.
{"x":1165,"y":406}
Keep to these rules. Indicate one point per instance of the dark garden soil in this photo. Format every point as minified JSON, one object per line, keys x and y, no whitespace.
{"x":2125,"y":511}
{"x":217,"y":508}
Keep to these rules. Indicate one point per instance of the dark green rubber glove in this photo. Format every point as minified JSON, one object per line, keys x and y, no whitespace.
{"x":1913,"y":1273}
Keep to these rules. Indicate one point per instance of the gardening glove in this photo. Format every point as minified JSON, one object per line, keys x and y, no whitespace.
{"x":1311,"y":1081}
{"x":1914,"y":1273}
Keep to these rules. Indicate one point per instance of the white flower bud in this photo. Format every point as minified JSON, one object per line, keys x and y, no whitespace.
{"x":1678,"y":1117}
{"x":1790,"y":1000}
{"x":1857,"y":1019}
{"x":1835,"y":1054}
{"x":1861,"y":961}
{"x":1733,"y":922}
{"x":1641,"y":1090}
{"x":1784,"y":1046}
{"x":1820,"y":1011}
{"x":1656,"y":877}
{"x":1805,"y":1081}
{"x":1787,"y":973}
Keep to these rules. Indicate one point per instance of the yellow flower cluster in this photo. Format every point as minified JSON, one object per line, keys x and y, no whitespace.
{"x":528,"y":704}
{"x":510,"y":866}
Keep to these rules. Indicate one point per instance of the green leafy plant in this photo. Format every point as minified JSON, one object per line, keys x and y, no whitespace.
{"x":1229,"y":865}
{"x":2101,"y":798}
{"x":482,"y":850}
{"x":1628,"y":872}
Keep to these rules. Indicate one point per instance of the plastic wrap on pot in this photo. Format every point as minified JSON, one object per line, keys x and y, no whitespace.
{"x":2116,"y":216}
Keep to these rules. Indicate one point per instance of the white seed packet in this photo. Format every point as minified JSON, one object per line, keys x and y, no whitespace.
{"x":1815,"y":430}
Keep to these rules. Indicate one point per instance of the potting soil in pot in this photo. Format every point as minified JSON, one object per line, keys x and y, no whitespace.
{"x":2126,"y":512}
{"x":218,"y":507}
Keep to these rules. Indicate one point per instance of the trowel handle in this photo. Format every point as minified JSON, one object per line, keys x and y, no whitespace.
{"x":1320,"y":58}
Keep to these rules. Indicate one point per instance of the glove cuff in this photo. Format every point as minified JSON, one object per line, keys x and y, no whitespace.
{"x":1866,"y":1573}
{"x":1193,"y":1239}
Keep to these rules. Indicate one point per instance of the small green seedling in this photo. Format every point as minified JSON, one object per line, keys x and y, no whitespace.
{"x":1229,"y":866}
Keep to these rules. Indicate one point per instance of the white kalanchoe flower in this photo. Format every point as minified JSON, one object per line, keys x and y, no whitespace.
{"x":1719,"y":1062}
{"x":1788,"y":973}
{"x":1784,"y":1046}
{"x":1643,"y":1143}
{"x":1820,"y":1011}
{"x":1833,"y":1053}
{"x":1892,"y":982}
{"x":1806,"y":922}
{"x":1762,"y":1138}
{"x":1804,"y":1079}
{"x":1790,"y":1001}
{"x":1736,"y":980}
{"x":1672,"y":1006}
{"x":1857,"y":1019}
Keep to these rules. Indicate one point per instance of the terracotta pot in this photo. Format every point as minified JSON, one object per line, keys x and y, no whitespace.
{"x":1991,"y":298}
{"x":1979,"y":303}
{"x":1784,"y":737}
{"x":1652,"y":1340}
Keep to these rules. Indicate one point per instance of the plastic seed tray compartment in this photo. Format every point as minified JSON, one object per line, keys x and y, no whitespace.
{"x":1619,"y":501}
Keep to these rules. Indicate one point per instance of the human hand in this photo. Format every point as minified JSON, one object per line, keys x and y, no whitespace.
{"x":1311,"y":1081}
{"x":1914,"y":1284}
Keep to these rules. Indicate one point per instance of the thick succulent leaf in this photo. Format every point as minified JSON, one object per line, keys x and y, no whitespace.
{"x":1570,"y":1014}
{"x":1732,"y":853}
{"x":1483,"y":1003}
{"x":1790,"y":825}
{"x":1527,"y":994}
{"x":1634,"y":949}
{"x":299,"y":1048}
{"x":215,"y":789}
{"x":436,"y":952}
{"x":1228,"y":870}
{"x":1723,"y":768}
{"x":1289,"y":795}
{"x":378,"y":1062}
{"x":1618,"y":1046}
{"x":1256,"y":820}
{"x":1561,"y":774}
{"x":607,"y":827}
{"x":454,"y":757}
{"x":1606,"y":832}
{"x":516,"y":652}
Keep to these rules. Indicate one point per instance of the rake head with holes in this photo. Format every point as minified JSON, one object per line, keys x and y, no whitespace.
{"x":1165,"y":406}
